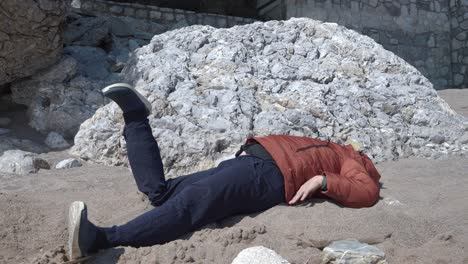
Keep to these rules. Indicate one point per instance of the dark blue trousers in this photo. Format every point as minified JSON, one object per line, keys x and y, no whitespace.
{"x":243,"y":185}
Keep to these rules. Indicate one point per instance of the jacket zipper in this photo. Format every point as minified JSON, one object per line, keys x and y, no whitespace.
{"x":311,"y":146}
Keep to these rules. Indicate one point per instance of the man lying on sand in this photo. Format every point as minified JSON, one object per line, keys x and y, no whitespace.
{"x":265,"y":172}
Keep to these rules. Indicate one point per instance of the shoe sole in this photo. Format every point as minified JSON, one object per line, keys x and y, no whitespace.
{"x":74,"y":219}
{"x":143,"y":99}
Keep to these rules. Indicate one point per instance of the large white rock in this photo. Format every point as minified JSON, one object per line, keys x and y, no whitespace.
{"x":21,"y":162}
{"x":212,"y":88}
{"x":258,"y":255}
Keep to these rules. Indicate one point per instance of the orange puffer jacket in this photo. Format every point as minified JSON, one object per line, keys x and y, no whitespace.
{"x":352,"y":179}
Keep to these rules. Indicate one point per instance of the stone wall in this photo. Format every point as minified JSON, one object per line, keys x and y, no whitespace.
{"x":459,"y":31}
{"x":416,"y":30}
{"x":432,"y":35}
{"x":156,"y":14}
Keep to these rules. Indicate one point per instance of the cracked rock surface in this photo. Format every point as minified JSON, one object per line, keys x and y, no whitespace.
{"x":212,"y":88}
{"x":30,"y":36}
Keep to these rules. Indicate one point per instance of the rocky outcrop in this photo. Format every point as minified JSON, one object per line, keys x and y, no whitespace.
{"x":61,"y":97}
{"x":212,"y":88}
{"x":30,"y":36}
{"x":8,"y":142}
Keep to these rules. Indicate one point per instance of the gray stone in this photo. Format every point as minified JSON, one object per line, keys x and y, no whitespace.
{"x":4,"y":131}
{"x":179,"y":24}
{"x":4,"y":121}
{"x":168,"y":16}
{"x":438,"y":139}
{"x":454,"y":22}
{"x":141,"y":13}
{"x":76,"y":4}
{"x":458,"y":79}
{"x":87,"y":6}
{"x":68,"y":163}
{"x":465,"y":60}
{"x":92,"y":62}
{"x":456,"y":44}
{"x":120,"y":28}
{"x":143,"y":36}
{"x":212,"y":88}
{"x":394,"y":41}
{"x":56,"y":141}
{"x":374,"y":3}
{"x":30,"y":36}
{"x":9,"y":142}
{"x":133,"y":44}
{"x":116,"y":10}
{"x":21,"y":162}
{"x":129,"y":11}
{"x":258,"y":255}
{"x":155,"y":14}
{"x":431,"y":42}
{"x":462,"y":35}
{"x":179,"y":17}
{"x":352,"y":252}
{"x":61,"y":98}
{"x":464,"y":25}
{"x":87,"y":31}
{"x":100,"y":7}
{"x":222,"y":22}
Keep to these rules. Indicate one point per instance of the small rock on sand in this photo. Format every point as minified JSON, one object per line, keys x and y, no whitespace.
{"x":68,"y":163}
{"x":258,"y":255}
{"x":352,"y":252}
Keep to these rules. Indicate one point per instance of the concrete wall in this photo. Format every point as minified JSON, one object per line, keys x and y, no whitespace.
{"x":459,"y":32}
{"x":416,"y":30}
{"x":157,"y":14}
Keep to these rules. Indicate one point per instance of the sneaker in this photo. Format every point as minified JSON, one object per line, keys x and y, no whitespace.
{"x":81,"y":232}
{"x":128,"y":99}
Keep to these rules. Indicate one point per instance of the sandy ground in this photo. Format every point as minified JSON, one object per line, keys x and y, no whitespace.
{"x":421,"y":217}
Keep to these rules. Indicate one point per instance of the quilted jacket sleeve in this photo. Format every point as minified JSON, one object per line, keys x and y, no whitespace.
{"x":353,"y":187}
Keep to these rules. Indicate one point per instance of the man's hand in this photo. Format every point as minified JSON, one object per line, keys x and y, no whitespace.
{"x":308,"y":189}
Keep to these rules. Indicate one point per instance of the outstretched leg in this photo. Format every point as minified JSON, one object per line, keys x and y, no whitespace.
{"x":245,"y":184}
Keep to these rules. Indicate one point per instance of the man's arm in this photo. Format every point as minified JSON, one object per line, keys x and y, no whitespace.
{"x":353,"y":187}
{"x":308,"y":189}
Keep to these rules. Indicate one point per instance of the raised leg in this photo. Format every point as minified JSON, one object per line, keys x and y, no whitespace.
{"x":145,"y":160}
